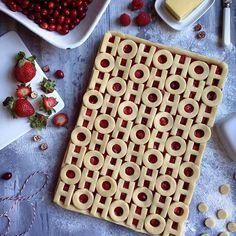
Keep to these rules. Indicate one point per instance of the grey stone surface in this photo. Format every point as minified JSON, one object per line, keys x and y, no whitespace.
{"x":23,"y":156}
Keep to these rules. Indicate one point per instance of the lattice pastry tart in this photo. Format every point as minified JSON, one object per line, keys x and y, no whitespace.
{"x":135,"y":154}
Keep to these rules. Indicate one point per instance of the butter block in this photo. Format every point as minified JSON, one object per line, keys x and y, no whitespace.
{"x":180,"y":9}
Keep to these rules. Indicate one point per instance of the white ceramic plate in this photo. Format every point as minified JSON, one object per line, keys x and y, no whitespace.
{"x":189,"y":20}
{"x":74,"y":38}
{"x":11,"y":129}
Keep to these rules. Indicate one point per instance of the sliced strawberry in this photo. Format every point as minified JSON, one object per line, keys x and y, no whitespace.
{"x":47,"y":104}
{"x":23,"y":91}
{"x":60,"y":119}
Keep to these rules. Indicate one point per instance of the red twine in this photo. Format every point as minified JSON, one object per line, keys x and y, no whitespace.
{"x":20,"y":197}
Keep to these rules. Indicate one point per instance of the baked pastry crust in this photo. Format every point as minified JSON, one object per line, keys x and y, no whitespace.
{"x":135,"y":153}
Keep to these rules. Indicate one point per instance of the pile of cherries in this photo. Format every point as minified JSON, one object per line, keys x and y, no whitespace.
{"x":53,"y":15}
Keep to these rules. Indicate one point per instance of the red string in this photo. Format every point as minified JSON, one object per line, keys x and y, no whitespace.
{"x":18,"y":198}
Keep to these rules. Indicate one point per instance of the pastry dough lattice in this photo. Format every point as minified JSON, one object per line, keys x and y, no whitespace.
{"x":135,"y":153}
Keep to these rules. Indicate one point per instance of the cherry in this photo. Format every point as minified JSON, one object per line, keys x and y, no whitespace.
{"x":6,"y":176}
{"x":59,"y":74}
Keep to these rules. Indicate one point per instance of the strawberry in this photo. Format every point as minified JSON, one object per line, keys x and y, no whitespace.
{"x":60,"y":119}
{"x":47,"y":85}
{"x":47,"y":104}
{"x":25,"y":69}
{"x":23,"y":91}
{"x":38,"y":121}
{"x":20,"y":107}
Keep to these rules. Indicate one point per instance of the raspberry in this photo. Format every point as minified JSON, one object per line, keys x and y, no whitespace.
{"x":143,"y":19}
{"x":137,"y":4}
{"x":125,"y":19}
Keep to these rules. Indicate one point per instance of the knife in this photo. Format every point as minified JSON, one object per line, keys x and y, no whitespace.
{"x":226,"y":22}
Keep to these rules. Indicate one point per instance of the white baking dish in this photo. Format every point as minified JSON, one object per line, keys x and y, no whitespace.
{"x":189,"y":20}
{"x":74,"y":38}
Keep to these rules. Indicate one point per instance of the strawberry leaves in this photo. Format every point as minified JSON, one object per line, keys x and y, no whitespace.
{"x":38,"y":121}
{"x":9,"y":103}
{"x":47,"y":85}
{"x":23,"y":91}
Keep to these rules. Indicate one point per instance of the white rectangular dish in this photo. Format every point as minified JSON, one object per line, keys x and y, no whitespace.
{"x":11,"y":129}
{"x":227,"y":134}
{"x":74,"y":38}
{"x":189,"y":20}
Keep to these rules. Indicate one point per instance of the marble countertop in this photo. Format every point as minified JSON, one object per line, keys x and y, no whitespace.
{"x":23,"y":156}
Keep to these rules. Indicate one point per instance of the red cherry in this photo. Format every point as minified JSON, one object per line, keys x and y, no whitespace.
{"x":143,"y":19}
{"x":59,"y":74}
{"x":125,"y":19}
{"x":6,"y":176}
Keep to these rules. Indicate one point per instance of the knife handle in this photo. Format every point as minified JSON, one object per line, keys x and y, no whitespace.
{"x":226,"y":27}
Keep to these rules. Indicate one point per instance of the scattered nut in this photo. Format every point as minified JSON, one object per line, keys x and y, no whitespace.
{"x":197,"y":27}
{"x":224,"y":189}
{"x":221,"y":214}
{"x":37,"y":138}
{"x":201,"y":35}
{"x":46,"y":68}
{"x":34,"y":95}
{"x":223,"y":234}
{"x":231,"y":226}
{"x":209,"y":223}
{"x":6,"y":176}
{"x":43,"y":146}
{"x":202,"y":207}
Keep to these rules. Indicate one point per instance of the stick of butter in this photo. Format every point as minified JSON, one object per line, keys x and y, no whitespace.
{"x":180,"y":9}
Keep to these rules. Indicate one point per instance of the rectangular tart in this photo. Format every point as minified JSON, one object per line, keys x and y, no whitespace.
{"x":135,"y":153}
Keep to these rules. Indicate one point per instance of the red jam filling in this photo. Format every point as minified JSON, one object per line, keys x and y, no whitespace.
{"x":165,"y":185}
{"x":188,"y":172}
{"x":189,"y":108}
{"x":175,"y":146}
{"x":94,"y":160}
{"x":118,"y":211}
{"x":152,"y":159}
{"x":106,"y":185}
{"x":163,"y":121}
{"x":142,"y":197}
{"x":116,"y":148}
{"x":152,"y":97}
{"x":70,"y":174}
{"x":105,"y":63}
{"x":129,"y":171}
{"x":83,"y":198}
{"x":117,"y":87}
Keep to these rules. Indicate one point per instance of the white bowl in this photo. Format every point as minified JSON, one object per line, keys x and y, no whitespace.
{"x":74,"y":38}
{"x":189,"y":20}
